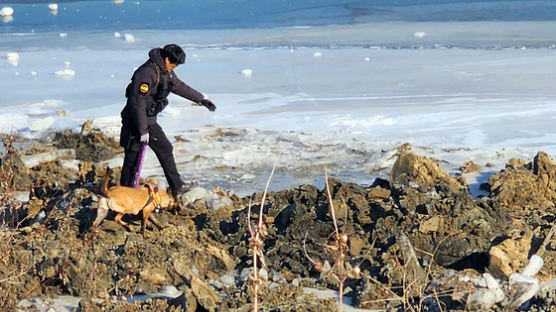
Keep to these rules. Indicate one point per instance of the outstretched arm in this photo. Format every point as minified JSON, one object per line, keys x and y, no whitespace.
{"x":182,"y":89}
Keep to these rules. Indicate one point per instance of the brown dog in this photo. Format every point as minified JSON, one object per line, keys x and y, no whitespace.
{"x":128,"y":200}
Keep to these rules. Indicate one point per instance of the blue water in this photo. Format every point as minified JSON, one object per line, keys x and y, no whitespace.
{"x":34,"y":16}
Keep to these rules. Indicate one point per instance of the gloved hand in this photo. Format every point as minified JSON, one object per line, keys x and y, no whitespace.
{"x":208,"y":104}
{"x":145,"y":138}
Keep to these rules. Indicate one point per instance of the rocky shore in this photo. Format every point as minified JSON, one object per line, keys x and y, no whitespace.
{"x":418,"y":241}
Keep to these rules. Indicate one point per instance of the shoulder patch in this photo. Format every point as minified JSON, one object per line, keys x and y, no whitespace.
{"x":144,"y":88}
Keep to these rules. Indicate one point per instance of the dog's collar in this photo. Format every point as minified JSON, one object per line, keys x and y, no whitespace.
{"x":154,"y":196}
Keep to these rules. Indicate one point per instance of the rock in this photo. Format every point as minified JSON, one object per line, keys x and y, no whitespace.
{"x":355,"y":246}
{"x":521,"y":189}
{"x":469,"y":167}
{"x":432,"y":225}
{"x":515,"y":163}
{"x":193,"y":195}
{"x":216,"y":202}
{"x":421,"y":170}
{"x":509,"y":256}
{"x":92,"y":145}
{"x":204,"y":294}
{"x":415,"y":274}
{"x":378,"y":193}
{"x":153,"y":275}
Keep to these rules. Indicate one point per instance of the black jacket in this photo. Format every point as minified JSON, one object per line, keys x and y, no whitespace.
{"x":148,"y":91}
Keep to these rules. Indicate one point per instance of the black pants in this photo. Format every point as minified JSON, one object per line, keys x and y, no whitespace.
{"x":162,"y":148}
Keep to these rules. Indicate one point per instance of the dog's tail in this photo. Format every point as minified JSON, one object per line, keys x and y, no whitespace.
{"x":104,"y":189}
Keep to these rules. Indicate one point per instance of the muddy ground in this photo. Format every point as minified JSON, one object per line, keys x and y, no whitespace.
{"x":415,"y":242}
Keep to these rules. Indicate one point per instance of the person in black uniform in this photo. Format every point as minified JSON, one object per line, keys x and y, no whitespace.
{"x":146,"y":97}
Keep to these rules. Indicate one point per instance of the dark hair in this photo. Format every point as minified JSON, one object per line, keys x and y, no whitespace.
{"x":174,"y":53}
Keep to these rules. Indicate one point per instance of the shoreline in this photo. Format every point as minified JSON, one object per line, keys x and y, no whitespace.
{"x":203,"y":245}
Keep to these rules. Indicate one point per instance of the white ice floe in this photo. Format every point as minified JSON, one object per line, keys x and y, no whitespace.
{"x":59,"y":304}
{"x":524,"y":287}
{"x":51,"y":103}
{"x":516,"y":278}
{"x":534,"y":266}
{"x":317,"y":54}
{"x":247,"y":176}
{"x":129,"y":38}
{"x":247,"y":72}
{"x":65,"y":73}
{"x":367,"y":59}
{"x":7,"y":19}
{"x":53,"y":7}
{"x":118,"y":1}
{"x":12,"y":58}
{"x":354,"y":122}
{"x":6,"y":11}
{"x":419,"y":34}
{"x":34,"y":160}
{"x":495,"y":293}
{"x":41,"y":124}
{"x":117,"y":35}
{"x":63,"y":35}
{"x":549,"y":285}
{"x":329,"y":293}
{"x":490,"y":281}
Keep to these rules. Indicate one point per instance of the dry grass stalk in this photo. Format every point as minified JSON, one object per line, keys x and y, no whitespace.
{"x":256,"y":243}
{"x":7,"y":186}
{"x":341,"y":270}
{"x":414,"y":283}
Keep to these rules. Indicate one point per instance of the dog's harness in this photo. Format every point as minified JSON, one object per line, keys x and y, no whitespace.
{"x":154,"y":196}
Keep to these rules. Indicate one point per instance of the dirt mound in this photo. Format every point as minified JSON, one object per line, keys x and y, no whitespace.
{"x":419,"y":241}
{"x":89,"y":145}
{"x":522,"y":188}
{"x":412,"y":168}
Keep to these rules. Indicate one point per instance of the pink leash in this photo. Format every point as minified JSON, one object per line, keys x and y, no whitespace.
{"x":140,"y":165}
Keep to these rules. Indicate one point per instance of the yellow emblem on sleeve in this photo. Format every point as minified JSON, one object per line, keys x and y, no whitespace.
{"x":144,"y":88}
